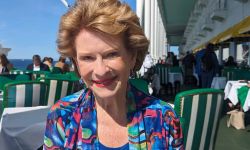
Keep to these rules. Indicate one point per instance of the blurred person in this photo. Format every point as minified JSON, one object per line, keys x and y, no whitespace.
{"x":169,"y":59}
{"x":210,"y":66}
{"x":49,"y":62}
{"x":230,"y":62}
{"x":106,"y":42}
{"x":37,"y":65}
{"x":175,"y":61}
{"x":147,"y":64}
{"x":5,"y":65}
{"x":198,"y":66}
{"x":62,"y":64}
{"x":188,"y":63}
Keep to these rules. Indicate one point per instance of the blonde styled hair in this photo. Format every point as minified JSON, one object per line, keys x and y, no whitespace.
{"x":106,"y":16}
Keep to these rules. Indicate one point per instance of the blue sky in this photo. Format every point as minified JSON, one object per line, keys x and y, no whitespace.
{"x":30,"y":27}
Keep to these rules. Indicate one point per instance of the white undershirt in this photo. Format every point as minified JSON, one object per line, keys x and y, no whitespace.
{"x":36,"y":68}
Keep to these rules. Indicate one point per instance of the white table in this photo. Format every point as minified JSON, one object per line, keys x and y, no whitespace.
{"x":175,"y":77}
{"x":22,"y":128}
{"x":232,"y":94}
{"x":219,"y":82}
{"x":231,"y":91}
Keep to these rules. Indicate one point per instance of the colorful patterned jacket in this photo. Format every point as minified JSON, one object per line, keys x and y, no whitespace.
{"x":152,"y":124}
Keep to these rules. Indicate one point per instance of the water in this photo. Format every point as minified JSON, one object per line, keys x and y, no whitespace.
{"x":23,"y":63}
{"x":20,"y":63}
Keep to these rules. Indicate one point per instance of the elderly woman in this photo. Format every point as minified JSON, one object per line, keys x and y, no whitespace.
{"x":104,"y":39}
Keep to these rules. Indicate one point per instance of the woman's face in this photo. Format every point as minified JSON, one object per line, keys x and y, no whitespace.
{"x":103,"y":62}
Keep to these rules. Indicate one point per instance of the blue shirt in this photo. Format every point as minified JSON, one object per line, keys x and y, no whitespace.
{"x":103,"y":147}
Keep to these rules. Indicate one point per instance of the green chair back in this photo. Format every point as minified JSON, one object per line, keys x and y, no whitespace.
{"x":241,"y":74}
{"x":175,"y":69}
{"x":24,"y":94}
{"x":162,"y":71}
{"x":4,"y":80}
{"x":199,"y":111}
{"x":39,"y":74}
{"x":73,"y":75}
{"x":62,"y":76}
{"x":58,"y":88}
{"x":23,"y":77}
{"x":56,"y":70}
{"x":140,"y":84}
{"x":19,"y":72}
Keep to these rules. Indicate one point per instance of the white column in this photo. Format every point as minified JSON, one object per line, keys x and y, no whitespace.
{"x":139,"y":10}
{"x":152,"y":28}
{"x":147,"y":25}
{"x":157,"y":31}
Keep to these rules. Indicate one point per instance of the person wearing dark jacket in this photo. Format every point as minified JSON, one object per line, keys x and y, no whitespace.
{"x":210,"y":66}
{"x":37,"y":65}
{"x":230,"y":62}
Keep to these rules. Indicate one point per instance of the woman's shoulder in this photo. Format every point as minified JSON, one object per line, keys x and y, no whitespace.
{"x":67,"y":104}
{"x":166,"y":108}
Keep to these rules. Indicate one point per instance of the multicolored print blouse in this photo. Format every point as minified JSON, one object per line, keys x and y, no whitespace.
{"x":152,"y":124}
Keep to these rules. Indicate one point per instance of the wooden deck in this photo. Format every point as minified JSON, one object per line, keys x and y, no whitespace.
{"x":231,"y":138}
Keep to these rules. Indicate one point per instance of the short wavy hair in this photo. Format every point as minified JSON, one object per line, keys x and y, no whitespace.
{"x":106,"y":16}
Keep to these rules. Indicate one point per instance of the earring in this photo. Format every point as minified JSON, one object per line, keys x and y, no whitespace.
{"x":81,"y":81}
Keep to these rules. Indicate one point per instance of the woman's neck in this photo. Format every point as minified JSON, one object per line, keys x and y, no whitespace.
{"x":112,"y":110}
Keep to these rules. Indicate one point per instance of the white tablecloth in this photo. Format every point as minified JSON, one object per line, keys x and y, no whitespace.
{"x":232,"y":94}
{"x":175,"y":77}
{"x":231,"y":90}
{"x":22,"y":128}
{"x":246,"y":106}
{"x":219,"y":82}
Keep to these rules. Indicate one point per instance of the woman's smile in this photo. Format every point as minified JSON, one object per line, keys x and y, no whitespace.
{"x":104,"y":82}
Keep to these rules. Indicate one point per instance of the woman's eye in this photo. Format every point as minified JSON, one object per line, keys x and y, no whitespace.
{"x":112,"y":55}
{"x":87,"y":58}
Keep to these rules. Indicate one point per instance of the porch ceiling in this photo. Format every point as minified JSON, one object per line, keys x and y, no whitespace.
{"x":175,"y":15}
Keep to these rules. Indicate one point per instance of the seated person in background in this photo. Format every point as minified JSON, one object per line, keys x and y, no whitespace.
{"x":5,"y":65}
{"x":230,"y":62}
{"x":49,"y":62}
{"x":62,"y":65}
{"x":37,"y":65}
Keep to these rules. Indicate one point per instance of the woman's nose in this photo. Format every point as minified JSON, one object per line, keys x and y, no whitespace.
{"x":100,"y":68}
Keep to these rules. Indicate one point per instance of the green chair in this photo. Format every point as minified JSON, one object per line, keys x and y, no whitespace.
{"x":24,"y":94}
{"x":199,"y":111}
{"x":58,"y":88}
{"x":18,"y":72}
{"x":23,"y":77}
{"x":59,"y":75}
{"x":4,"y":80}
{"x":162,"y":71}
{"x":39,"y":74}
{"x":175,"y":70}
{"x":73,"y":75}
{"x":56,"y":70}
{"x":140,"y":84}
